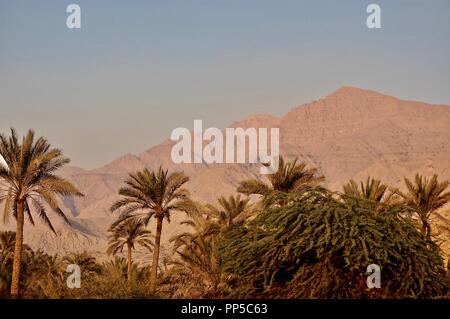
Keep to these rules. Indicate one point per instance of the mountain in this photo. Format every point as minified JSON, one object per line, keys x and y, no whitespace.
{"x":351,"y":133}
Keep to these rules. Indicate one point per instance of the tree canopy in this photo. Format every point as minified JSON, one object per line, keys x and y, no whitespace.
{"x":320,"y":247}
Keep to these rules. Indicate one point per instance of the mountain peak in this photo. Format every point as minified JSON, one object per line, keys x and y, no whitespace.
{"x":351,"y":90}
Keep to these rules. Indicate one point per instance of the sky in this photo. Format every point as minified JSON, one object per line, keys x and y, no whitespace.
{"x":136,"y":70}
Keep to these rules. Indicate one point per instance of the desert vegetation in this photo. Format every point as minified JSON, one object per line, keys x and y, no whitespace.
{"x":286,"y":236}
{"x":30,"y":187}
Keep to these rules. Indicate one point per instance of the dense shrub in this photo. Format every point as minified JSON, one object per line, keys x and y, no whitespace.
{"x":320,"y":247}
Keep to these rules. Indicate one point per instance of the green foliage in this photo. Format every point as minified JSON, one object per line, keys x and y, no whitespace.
{"x":291,"y":177}
{"x":83,"y":259}
{"x":7,"y":241}
{"x":372,"y":189}
{"x":44,"y":276}
{"x":128,"y":233}
{"x":29,"y":187}
{"x":424,"y":196}
{"x":150,"y":194}
{"x":110,"y":282}
{"x":30,"y":178}
{"x":305,"y":242}
{"x":319,"y":247}
{"x":231,"y":210}
{"x":194,"y":254}
{"x":117,"y":268}
{"x":194,"y":269}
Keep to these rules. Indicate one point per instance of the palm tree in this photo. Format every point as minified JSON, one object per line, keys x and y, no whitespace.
{"x":42,"y":273}
{"x":84,"y":260}
{"x":29,"y":184}
{"x":150,"y":195}
{"x":195,"y":251}
{"x":128,"y":233}
{"x":424,"y":196}
{"x":373,"y":190}
{"x":291,"y":177}
{"x":230,"y":210}
{"x":7,"y":241}
{"x":117,"y":268}
{"x":7,"y":244}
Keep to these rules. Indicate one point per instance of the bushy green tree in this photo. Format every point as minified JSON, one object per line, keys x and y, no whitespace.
{"x":320,"y":247}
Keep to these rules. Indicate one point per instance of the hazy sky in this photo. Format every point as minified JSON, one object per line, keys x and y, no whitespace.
{"x":138,"y":69}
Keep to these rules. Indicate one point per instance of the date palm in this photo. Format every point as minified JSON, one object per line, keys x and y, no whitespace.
{"x":291,"y":177}
{"x":229,"y":211}
{"x":84,"y":260}
{"x":7,"y":241}
{"x":195,"y":252}
{"x":28,"y":186}
{"x":372,"y":189}
{"x":128,"y":233}
{"x":424,"y":196}
{"x":152,"y":194}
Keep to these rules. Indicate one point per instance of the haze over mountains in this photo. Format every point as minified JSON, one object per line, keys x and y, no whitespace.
{"x":351,"y":133}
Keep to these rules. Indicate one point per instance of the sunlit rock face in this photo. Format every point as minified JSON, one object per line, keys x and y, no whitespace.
{"x":351,"y":133}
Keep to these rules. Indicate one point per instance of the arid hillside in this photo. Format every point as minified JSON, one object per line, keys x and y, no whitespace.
{"x":351,"y":133}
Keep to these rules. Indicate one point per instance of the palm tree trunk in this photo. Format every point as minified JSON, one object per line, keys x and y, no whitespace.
{"x":17,"y":261}
{"x":426,"y":229}
{"x":129,"y":262}
{"x":154,"y":269}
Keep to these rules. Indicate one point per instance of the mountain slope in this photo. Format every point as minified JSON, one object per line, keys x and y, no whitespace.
{"x":350,"y":133}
